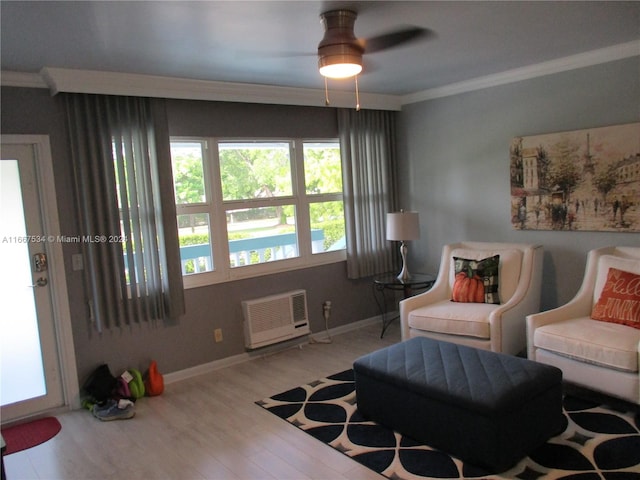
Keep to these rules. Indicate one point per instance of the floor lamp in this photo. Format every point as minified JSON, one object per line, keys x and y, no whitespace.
{"x":403,"y":226}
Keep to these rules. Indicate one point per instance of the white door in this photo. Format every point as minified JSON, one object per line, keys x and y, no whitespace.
{"x":34,"y":341}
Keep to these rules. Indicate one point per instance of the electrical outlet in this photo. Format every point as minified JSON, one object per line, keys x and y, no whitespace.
{"x":217,"y":333}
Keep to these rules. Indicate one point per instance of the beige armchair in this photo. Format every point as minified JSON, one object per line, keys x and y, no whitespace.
{"x":496,"y":327}
{"x":598,"y":355}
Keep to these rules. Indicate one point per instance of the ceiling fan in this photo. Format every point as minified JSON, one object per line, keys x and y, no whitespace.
{"x":340,"y":52}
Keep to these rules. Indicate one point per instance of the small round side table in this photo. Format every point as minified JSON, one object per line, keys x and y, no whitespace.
{"x":390,"y":281}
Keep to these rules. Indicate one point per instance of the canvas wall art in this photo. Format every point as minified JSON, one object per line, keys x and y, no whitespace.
{"x":583,"y":180}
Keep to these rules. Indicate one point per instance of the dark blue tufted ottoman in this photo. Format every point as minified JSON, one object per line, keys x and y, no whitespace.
{"x":486,"y":408}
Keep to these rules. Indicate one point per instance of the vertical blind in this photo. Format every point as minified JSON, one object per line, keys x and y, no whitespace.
{"x":124,"y":189}
{"x":367,"y":139}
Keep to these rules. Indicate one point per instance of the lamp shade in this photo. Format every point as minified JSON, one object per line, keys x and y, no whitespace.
{"x":403,"y":226}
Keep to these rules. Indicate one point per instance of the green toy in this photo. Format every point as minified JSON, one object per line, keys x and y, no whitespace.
{"x":136,"y":386}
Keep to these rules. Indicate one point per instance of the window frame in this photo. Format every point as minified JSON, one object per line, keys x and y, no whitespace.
{"x":216,"y":208}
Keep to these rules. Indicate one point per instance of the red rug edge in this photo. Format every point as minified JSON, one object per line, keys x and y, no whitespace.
{"x":26,"y":435}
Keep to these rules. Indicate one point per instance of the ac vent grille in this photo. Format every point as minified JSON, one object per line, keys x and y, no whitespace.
{"x":299,"y":303}
{"x":269,"y":315}
{"x":275,"y":318}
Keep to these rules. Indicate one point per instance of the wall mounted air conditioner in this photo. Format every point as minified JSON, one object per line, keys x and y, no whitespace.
{"x":275,"y":318}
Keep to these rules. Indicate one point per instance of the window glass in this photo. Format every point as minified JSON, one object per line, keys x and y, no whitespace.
{"x":193,"y":207}
{"x":188,"y":172}
{"x":195,"y":243}
{"x":327,"y":226}
{"x":322,"y":168}
{"x":323,"y":182}
{"x":259,"y":235}
{"x":255,"y":170}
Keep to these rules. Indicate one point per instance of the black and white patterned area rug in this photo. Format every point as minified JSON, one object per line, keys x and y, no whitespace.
{"x":597,"y":443}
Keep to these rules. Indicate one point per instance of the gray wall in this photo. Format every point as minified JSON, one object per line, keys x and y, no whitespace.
{"x":190,"y":342}
{"x":454,"y":163}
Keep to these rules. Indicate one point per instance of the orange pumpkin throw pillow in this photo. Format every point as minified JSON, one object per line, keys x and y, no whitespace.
{"x":619,"y":301}
{"x":476,"y":281}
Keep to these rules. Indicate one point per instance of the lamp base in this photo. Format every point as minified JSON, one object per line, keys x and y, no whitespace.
{"x":404,"y":273}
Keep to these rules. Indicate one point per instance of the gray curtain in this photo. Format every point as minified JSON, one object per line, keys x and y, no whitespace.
{"x":367,"y":141}
{"x":122,"y":166}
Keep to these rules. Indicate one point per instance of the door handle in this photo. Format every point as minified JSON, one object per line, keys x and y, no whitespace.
{"x":41,"y":282}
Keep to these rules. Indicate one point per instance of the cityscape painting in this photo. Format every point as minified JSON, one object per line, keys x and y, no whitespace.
{"x":584,"y":180}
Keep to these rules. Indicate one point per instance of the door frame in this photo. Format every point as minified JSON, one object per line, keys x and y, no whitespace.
{"x":58,"y":279}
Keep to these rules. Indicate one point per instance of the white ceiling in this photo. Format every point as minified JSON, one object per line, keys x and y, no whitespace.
{"x":274,"y":42}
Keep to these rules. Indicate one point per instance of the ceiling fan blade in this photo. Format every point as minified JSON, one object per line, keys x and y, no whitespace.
{"x":293,"y":54}
{"x":368,"y":66}
{"x":394,"y":39}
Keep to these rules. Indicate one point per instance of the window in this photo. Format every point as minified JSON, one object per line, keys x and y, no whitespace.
{"x":192,"y":206}
{"x":323,"y":183}
{"x":248,"y":208}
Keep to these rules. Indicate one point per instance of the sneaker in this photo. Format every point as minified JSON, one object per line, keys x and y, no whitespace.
{"x":114,"y":410}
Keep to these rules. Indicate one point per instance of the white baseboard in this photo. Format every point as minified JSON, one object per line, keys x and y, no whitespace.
{"x":270,"y":350}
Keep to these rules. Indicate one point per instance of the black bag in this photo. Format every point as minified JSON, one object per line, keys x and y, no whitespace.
{"x":101,"y":384}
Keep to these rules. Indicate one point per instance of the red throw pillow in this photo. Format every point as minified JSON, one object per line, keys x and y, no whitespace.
{"x":619,"y":301}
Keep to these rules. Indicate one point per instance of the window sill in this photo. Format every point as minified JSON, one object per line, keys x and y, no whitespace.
{"x":259,"y":270}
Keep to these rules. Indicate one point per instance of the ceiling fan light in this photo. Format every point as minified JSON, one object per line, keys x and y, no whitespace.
{"x":340,"y":64}
{"x":341,"y":70}
{"x":339,"y":52}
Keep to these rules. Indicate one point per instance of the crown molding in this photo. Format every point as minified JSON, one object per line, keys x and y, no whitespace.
{"x":22,"y":79}
{"x":114,"y":83}
{"x":587,"y":59}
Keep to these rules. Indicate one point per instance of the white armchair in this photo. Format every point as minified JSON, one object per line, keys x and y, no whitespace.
{"x":600,"y":356}
{"x":496,"y":327}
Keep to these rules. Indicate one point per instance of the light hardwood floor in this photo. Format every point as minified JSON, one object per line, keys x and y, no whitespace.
{"x":208,"y":427}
